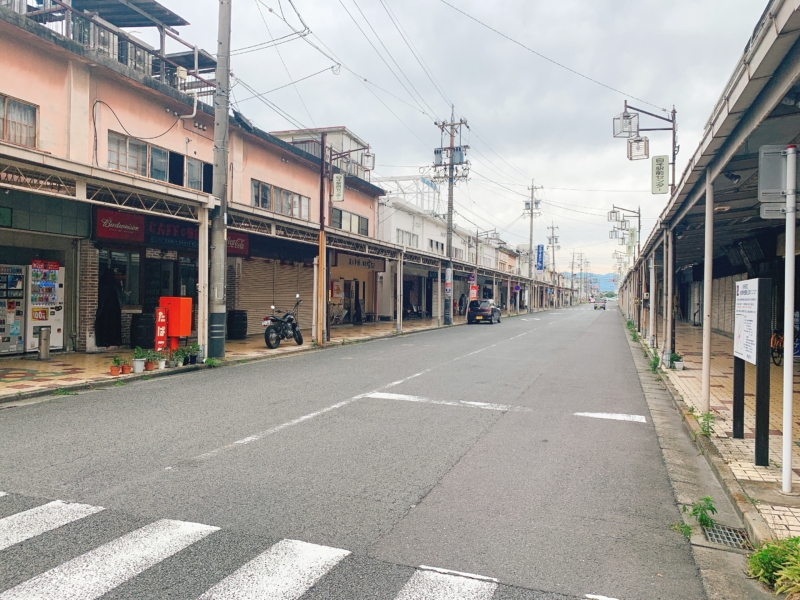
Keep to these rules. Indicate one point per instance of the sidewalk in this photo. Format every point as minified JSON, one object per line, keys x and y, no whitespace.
{"x":25,"y":376}
{"x":761,"y":484}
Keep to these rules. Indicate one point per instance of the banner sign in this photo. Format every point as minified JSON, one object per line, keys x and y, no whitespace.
{"x":473,"y":292}
{"x":540,"y":257}
{"x":746,"y":320}
{"x":238,"y":243}
{"x":448,"y":283}
{"x":660,"y":175}
{"x":338,"y":187}
{"x":161,"y":329}
{"x":114,"y":225}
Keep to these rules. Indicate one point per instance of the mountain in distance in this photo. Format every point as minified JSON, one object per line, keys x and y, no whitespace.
{"x":606,"y":283}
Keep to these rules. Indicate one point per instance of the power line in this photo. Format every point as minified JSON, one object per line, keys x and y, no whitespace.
{"x":288,"y":84}
{"x":540,"y":55}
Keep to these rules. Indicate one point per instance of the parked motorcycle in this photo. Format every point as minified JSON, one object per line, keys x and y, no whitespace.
{"x":283,"y":327}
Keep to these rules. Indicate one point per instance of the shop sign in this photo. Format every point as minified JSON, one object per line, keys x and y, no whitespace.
{"x":173,"y":233}
{"x":473,"y":292}
{"x":471,"y":277}
{"x":45,"y":265}
{"x":745,"y":326}
{"x":365,"y":262}
{"x":161,"y":329}
{"x":337,"y":289}
{"x":338,"y":187}
{"x":238,"y":243}
{"x":114,"y":225}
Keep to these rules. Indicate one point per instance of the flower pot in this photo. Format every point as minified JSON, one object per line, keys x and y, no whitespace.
{"x":126,"y":369}
{"x":149,"y":366}
{"x":185,"y":360}
{"x":678,"y":364}
{"x":172,"y":364}
{"x":162,"y":364}
{"x":115,"y":370}
{"x":138,"y":365}
{"x":193,"y":359}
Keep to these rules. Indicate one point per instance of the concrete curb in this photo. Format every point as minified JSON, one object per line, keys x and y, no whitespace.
{"x":757,"y":528}
{"x":105,"y":383}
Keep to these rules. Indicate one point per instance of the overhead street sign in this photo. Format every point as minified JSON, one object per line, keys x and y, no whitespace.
{"x":660,"y":175}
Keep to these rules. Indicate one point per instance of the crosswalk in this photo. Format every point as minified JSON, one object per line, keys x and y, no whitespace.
{"x":286,"y":570}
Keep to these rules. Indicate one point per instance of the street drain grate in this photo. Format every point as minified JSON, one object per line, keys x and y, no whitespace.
{"x":728,"y":536}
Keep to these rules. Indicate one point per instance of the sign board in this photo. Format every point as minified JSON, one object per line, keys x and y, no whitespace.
{"x":473,"y":292}
{"x":115,"y":225}
{"x":338,"y":187}
{"x":773,"y":210}
{"x":161,"y":329}
{"x":539,"y":258}
{"x":660,"y":175}
{"x":471,"y":277}
{"x":745,"y":326}
{"x":448,"y":283}
{"x":772,"y":174}
{"x":539,"y":273}
{"x":238,"y":243}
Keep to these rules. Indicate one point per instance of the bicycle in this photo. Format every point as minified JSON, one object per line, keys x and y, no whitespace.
{"x":776,"y":348}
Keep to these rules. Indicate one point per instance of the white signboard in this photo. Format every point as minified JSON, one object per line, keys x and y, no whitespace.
{"x":660,"y":175}
{"x":746,"y":321}
{"x":338,"y":187}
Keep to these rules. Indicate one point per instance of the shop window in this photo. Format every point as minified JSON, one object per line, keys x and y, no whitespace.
{"x":159,"y":163}
{"x":194,"y":174}
{"x":125,"y":266}
{"x":17,"y":122}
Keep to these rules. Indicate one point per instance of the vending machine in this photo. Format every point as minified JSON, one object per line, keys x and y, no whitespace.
{"x":12,"y":308}
{"x":45,"y":303}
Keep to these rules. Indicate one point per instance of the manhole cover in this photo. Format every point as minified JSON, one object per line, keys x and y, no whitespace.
{"x":728,"y":536}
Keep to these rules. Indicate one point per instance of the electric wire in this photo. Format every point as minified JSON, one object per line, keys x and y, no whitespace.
{"x":558,"y":64}
{"x":288,"y":84}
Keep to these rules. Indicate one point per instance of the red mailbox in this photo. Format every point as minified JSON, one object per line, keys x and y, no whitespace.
{"x":179,"y":315}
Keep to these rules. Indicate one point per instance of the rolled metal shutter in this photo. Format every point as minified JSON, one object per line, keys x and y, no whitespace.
{"x":256,"y":292}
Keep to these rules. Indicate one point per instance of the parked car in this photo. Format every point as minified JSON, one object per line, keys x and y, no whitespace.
{"x":480,"y":311}
{"x":600,"y":303}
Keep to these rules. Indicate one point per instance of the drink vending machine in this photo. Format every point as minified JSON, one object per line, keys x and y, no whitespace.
{"x":12,"y":308}
{"x":45,"y":303}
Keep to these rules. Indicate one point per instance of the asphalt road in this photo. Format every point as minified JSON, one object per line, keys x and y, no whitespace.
{"x":339,"y":473}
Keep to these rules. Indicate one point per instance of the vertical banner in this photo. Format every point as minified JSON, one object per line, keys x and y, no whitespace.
{"x":338,"y":187}
{"x":448,"y":283}
{"x":473,"y":292}
{"x":660,"y":174}
{"x":161,"y":329}
{"x":540,"y":257}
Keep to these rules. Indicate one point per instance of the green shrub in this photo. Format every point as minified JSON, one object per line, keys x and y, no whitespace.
{"x":654,"y":362}
{"x":706,"y":424}
{"x":788,"y":580}
{"x":771,"y":557}
{"x":700,"y":509}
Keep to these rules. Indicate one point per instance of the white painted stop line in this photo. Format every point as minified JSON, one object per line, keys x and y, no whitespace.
{"x":612,"y":416}
{"x":284,"y":572}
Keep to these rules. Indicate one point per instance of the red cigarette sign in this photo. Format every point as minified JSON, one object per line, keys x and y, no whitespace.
{"x":161,"y":329}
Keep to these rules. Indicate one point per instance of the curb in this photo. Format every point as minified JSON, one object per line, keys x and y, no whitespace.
{"x":754,"y":523}
{"x":105,"y":383}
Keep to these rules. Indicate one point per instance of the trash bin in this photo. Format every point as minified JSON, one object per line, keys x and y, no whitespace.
{"x":44,"y":342}
{"x":237,"y":325}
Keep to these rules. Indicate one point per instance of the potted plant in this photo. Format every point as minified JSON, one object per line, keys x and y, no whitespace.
{"x":194,"y":350}
{"x":677,"y":361}
{"x":162,"y":360}
{"x":116,"y":364}
{"x":172,"y":362}
{"x":139,"y":357}
{"x":126,"y":367}
{"x":150,"y":361}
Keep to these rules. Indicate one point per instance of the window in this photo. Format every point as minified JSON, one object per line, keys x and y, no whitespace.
{"x":159,"y":163}
{"x":436,"y":247}
{"x":406,"y":238}
{"x":285,"y":202}
{"x":125,"y":267}
{"x":458,"y":253}
{"x":127,"y":154}
{"x":347,"y":221}
{"x":17,"y":122}
{"x":194,"y":174}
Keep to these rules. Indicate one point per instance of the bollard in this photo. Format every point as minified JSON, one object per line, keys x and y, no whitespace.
{"x":44,"y":342}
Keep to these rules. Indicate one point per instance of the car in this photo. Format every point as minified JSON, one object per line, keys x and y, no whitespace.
{"x":600,"y":303}
{"x":482,"y":311}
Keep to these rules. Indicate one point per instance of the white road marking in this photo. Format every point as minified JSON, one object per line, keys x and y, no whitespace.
{"x":399,"y":381}
{"x":596,"y":597}
{"x":462,"y":403}
{"x":284,"y":572}
{"x":458,"y":573}
{"x":36,"y":521}
{"x":430,"y":585}
{"x":99,"y":571}
{"x":2,"y":494}
{"x":613,"y":416}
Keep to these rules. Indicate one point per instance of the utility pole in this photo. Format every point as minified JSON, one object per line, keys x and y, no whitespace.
{"x":457,"y":168}
{"x":572,"y":279}
{"x":322,"y":283}
{"x":219,"y":219}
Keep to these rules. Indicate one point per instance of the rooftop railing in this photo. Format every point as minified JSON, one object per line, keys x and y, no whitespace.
{"x":94,"y":33}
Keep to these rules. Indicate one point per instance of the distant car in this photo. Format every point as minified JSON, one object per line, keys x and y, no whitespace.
{"x":483,"y":311}
{"x":600,"y":303}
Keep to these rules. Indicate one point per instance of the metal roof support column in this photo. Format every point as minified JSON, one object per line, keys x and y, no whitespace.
{"x":400,"y":293}
{"x":651,"y":307}
{"x":708,"y":282}
{"x":663,"y":292}
{"x":669,"y":270}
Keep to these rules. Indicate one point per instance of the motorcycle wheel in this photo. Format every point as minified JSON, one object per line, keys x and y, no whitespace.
{"x":298,"y":337}
{"x":272,"y":337}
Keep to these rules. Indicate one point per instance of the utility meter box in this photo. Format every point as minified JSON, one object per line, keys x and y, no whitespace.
{"x":179,"y":315}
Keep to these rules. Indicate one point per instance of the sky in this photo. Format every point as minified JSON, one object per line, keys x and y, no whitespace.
{"x":530,"y":120}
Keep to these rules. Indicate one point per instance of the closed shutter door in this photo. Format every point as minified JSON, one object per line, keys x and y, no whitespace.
{"x":291,"y":279}
{"x":256,"y":294}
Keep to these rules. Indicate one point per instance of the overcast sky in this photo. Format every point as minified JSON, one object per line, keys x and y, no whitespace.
{"x":530,"y":119}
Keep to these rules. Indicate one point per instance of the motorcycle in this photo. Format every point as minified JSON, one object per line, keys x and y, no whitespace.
{"x":283,"y":327}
